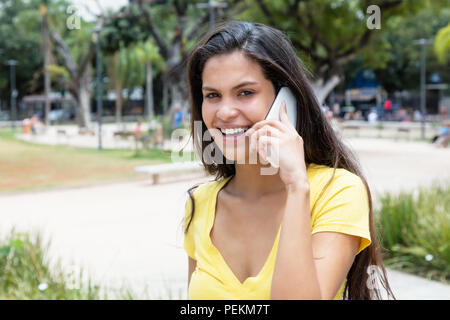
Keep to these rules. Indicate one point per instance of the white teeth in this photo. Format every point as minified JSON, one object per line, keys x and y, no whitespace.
{"x":233,"y":131}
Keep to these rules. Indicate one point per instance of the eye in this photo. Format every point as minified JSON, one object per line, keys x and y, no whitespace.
{"x":245,"y":93}
{"x":211,"y":95}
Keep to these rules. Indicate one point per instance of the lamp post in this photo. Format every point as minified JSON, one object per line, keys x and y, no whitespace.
{"x":98,"y":59}
{"x":422,"y":43}
{"x":212,"y":5}
{"x":12,"y":64}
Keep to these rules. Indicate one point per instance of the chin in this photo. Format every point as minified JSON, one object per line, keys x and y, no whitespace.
{"x":233,"y":152}
{"x":237,"y":155}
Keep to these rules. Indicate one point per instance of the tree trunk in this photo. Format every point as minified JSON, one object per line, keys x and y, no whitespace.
{"x":84,"y":99}
{"x":165,"y":94}
{"x":80,"y":75}
{"x":119,"y":100}
{"x":322,"y":90}
{"x":46,"y":54}
{"x":149,"y":102}
{"x":178,"y":99}
{"x":178,"y":89}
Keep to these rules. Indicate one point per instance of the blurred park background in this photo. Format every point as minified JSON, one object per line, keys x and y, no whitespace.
{"x":91,"y":92}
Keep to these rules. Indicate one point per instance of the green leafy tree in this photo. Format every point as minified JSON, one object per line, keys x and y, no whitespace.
{"x":46,"y":53}
{"x":148,"y":54}
{"x":19,"y":41}
{"x":442,"y":44}
{"x":116,"y":82}
{"x":330,"y":33}
{"x":76,"y":50}
{"x":132,"y":67}
{"x":402,"y":69}
{"x":25,"y":31}
{"x":173,"y":26}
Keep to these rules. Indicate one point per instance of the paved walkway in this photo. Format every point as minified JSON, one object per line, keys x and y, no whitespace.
{"x":132,"y":231}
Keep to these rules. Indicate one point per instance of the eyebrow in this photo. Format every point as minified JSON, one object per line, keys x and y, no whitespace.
{"x":243,"y":84}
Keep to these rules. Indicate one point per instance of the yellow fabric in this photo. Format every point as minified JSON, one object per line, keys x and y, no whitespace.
{"x":343,"y":207}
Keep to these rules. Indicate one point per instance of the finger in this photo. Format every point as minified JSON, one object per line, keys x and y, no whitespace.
{"x":271,"y":153}
{"x":274,"y":123}
{"x":267,"y":148}
{"x":254,"y":140}
{"x":268,"y":141}
{"x":268,"y":130}
{"x":262,"y":155}
{"x":261,"y":149}
{"x":264,"y":131}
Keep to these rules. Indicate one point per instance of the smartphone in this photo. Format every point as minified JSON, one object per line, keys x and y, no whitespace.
{"x":285,"y":94}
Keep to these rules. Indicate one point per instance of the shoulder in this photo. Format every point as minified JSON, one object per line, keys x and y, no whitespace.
{"x":320,"y":175}
{"x":203,"y":192}
{"x":206,"y":189}
{"x":340,"y":185}
{"x":198,"y":204}
{"x":342,"y":205}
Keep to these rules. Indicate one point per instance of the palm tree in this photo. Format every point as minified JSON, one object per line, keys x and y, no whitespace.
{"x":46,"y":55}
{"x":116,"y":80}
{"x":125,"y":70}
{"x":149,"y":55}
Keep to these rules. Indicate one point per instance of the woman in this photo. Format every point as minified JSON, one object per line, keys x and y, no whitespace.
{"x":303,"y":232}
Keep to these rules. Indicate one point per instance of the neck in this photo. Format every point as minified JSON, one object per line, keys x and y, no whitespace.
{"x":251,"y":183}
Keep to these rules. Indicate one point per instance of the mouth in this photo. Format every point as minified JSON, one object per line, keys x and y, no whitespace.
{"x":233,"y":132}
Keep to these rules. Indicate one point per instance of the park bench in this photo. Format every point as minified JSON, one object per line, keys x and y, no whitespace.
{"x":62,"y":134}
{"x":158,"y":169}
{"x":86,"y":132}
{"x":123,"y":134}
{"x":144,"y":140}
{"x":402,"y":131}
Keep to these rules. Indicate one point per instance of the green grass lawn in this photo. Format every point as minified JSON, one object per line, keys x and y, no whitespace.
{"x":27,"y":166}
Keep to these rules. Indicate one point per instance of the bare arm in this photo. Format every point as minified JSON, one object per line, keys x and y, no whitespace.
{"x":309,"y":266}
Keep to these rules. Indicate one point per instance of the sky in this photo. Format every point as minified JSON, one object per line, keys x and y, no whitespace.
{"x":87,"y":7}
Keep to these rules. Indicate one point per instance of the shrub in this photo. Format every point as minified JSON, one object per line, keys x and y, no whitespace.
{"x":26,"y":273}
{"x":415,"y":230}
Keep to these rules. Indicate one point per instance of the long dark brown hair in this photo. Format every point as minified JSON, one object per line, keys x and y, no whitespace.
{"x":273,"y":51}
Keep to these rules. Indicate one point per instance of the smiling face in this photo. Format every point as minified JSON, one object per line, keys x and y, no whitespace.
{"x":236,"y":94}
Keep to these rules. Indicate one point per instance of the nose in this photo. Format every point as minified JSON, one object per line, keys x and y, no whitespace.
{"x":227,"y":112}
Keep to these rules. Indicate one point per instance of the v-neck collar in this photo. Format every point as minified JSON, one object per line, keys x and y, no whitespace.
{"x":224,"y":267}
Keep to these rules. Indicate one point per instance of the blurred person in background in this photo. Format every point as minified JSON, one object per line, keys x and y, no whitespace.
{"x":36,"y":125}
{"x":373,"y":116}
{"x":178,"y":117}
{"x":138,"y":130}
{"x":442,"y":139}
{"x":387,"y":109}
{"x":417,"y":115}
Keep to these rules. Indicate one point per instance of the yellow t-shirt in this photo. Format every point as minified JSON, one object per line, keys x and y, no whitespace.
{"x":343,"y":207}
